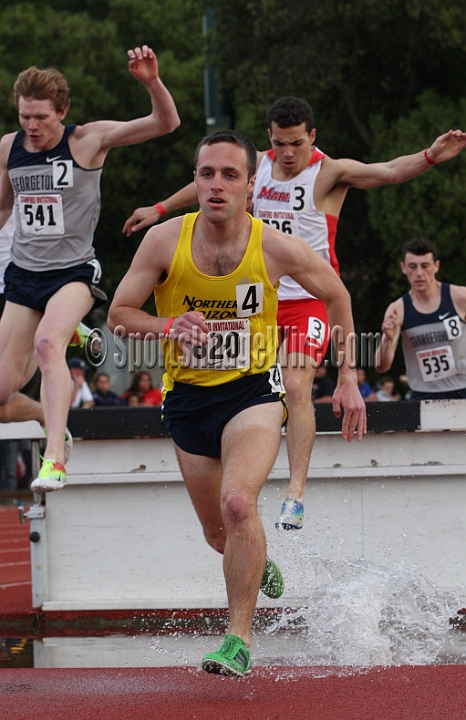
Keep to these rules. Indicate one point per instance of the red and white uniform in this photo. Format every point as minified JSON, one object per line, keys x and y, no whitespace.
{"x":289,"y":206}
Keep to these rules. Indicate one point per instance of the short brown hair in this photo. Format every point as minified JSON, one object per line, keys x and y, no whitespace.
{"x":234,"y":138}
{"x":48,"y":84}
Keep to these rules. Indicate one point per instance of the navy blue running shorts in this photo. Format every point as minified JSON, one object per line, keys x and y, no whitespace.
{"x":446,"y":395}
{"x":34,"y":289}
{"x":196,"y":415}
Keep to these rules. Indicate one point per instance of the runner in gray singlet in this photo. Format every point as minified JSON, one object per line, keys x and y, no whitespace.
{"x":431,"y":321}
{"x":50,"y":174}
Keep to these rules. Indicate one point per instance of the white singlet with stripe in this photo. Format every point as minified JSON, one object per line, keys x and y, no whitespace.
{"x":289,"y":206}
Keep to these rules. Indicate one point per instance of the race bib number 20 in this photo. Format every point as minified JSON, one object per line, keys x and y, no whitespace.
{"x":227,"y":347}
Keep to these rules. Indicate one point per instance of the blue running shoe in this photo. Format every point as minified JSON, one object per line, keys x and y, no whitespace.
{"x":291,"y":515}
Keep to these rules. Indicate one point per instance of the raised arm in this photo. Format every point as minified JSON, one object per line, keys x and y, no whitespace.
{"x":351,"y":173}
{"x":391,"y":328}
{"x":144,"y":216}
{"x":163,"y":119}
{"x":97,"y":138}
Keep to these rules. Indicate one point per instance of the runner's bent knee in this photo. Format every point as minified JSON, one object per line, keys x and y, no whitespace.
{"x":237,"y":506}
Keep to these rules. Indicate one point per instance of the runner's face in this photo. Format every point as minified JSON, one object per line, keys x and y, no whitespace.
{"x":221,"y":178}
{"x":420,"y":270}
{"x":41,"y":123}
{"x":292,"y":146}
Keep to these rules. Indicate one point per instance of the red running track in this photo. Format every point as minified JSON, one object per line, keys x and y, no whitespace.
{"x":275,"y":693}
{"x":270,"y":693}
{"x":15,"y":563}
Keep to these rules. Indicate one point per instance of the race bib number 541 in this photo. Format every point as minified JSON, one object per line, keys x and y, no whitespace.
{"x":41,"y":214}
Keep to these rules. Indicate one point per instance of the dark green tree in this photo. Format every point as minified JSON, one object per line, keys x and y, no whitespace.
{"x":87,"y":41}
{"x":364,"y":66}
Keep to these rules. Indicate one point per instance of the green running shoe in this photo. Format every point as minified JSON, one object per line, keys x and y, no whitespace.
{"x":232,"y":659}
{"x":52,"y":476}
{"x":272,"y":583}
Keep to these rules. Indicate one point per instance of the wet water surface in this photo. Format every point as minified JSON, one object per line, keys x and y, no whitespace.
{"x":360,"y":614}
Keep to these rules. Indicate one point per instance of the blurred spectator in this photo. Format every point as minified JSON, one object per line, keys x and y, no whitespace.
{"x":102,"y":394}
{"x":323,"y":386}
{"x":364,"y":387}
{"x":405,"y":389}
{"x":386,"y":387}
{"x":142,"y":386}
{"x":132,"y":400}
{"x":81,"y":396}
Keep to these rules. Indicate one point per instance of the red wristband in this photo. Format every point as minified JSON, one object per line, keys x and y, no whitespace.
{"x":431,"y":162}
{"x":160,"y":209}
{"x":168,"y":324}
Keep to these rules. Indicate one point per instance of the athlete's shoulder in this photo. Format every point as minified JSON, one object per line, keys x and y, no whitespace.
{"x":158,"y":246}
{"x":396,"y":308}
{"x":5,"y":145}
{"x":458,"y":297}
{"x":261,"y":154}
{"x":78,"y":132}
{"x":168,"y":229}
{"x":278,"y":243}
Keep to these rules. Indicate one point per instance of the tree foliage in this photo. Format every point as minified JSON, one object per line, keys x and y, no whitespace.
{"x":87,"y":41}
{"x":384,"y":77}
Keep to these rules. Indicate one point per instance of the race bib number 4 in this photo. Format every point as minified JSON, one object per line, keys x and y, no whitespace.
{"x":41,"y":214}
{"x":437,"y":363}
{"x":249,"y":299}
{"x":227,"y":347}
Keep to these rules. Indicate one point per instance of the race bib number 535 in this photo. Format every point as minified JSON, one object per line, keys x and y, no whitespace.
{"x":437,"y":363}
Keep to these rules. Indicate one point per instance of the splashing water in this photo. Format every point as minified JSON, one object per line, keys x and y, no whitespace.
{"x":360,"y":613}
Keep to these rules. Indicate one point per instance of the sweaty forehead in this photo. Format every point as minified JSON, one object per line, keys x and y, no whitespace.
{"x":412,"y":259}
{"x":221,"y":156}
{"x":31,"y":106}
{"x":289,"y":134}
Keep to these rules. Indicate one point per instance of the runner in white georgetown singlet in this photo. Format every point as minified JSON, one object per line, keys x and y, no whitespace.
{"x":288,"y":205}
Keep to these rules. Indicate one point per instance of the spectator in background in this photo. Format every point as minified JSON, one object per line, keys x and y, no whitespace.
{"x":142,"y":386}
{"x":81,"y":396}
{"x":102,"y":394}
{"x":323,"y":386}
{"x":132,"y":400}
{"x":405,"y":389}
{"x":385,"y":392}
{"x":364,"y":387}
